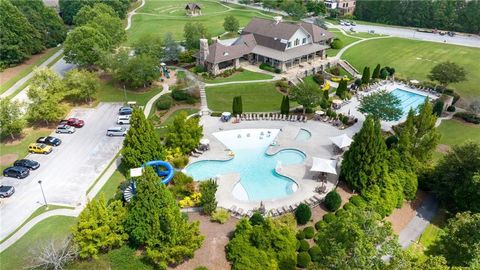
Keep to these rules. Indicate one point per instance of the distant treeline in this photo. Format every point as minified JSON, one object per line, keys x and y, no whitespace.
{"x":457,"y":15}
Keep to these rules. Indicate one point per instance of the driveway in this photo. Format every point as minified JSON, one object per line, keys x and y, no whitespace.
{"x":68,"y":171}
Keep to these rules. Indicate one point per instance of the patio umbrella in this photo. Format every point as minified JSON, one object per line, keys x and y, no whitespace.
{"x":226,"y":114}
{"x":414,"y":81}
{"x":205,"y":141}
{"x":319,"y":112}
{"x":324,"y":165}
{"x":341,"y":141}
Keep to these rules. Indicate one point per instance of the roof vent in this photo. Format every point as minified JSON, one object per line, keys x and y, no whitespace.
{"x":277,"y":19}
{"x":225,"y":53}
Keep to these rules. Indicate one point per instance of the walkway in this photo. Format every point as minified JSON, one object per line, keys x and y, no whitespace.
{"x":130,"y":15}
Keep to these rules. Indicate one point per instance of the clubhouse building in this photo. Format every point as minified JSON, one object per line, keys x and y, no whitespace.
{"x":279,"y":44}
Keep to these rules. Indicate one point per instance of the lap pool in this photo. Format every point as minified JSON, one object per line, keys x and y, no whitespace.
{"x":258,"y":179}
{"x":408,"y":100}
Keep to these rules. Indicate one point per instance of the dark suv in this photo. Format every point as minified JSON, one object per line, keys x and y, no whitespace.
{"x":27,"y":163}
{"x":53,"y":141}
{"x":6,"y":191}
{"x":16,"y":172}
{"x":125,"y":110}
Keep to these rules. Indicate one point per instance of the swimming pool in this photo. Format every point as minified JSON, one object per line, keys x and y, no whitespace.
{"x":258,"y":179}
{"x":303,"y":135}
{"x":408,"y":100}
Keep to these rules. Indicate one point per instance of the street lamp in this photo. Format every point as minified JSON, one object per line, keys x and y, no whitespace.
{"x":44,"y":199}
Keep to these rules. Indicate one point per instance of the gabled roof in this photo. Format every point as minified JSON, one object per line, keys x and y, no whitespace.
{"x":268,"y":28}
{"x":220,"y":53}
{"x":318,"y":34}
{"x":193,"y":6}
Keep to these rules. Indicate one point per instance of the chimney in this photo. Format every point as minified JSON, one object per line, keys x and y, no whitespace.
{"x":277,"y":19}
{"x":203,"y":53}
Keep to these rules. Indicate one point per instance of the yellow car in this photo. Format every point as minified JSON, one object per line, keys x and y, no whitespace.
{"x":39,"y":148}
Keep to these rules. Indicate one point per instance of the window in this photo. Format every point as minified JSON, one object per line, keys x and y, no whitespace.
{"x":304,"y":40}
{"x":289,"y":44}
{"x":297,"y":41}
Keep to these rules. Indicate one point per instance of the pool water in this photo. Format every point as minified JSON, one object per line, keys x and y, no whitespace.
{"x":303,"y":135}
{"x":257,"y":169}
{"x":408,"y":100}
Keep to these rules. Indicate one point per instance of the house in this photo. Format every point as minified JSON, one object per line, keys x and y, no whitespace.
{"x":279,"y":44}
{"x":193,"y":9}
{"x":331,"y":4}
{"x":346,"y":7}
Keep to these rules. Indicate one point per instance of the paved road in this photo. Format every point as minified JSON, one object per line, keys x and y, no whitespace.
{"x":68,"y":171}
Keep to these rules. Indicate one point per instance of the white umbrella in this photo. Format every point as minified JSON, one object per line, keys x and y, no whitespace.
{"x":226,"y":114}
{"x":319,"y":112}
{"x":162,"y":64}
{"x":341,"y":141}
{"x":324,"y":165}
{"x":205,"y":141}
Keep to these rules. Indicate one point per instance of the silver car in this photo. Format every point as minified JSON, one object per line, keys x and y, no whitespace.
{"x":6,"y":191}
{"x":116,"y":131}
{"x":65,"y":129}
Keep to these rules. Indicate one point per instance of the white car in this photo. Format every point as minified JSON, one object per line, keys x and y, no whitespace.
{"x":65,"y":129}
{"x":123,"y":119}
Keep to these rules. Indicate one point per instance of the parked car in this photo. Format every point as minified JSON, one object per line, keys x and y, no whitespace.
{"x":123,"y":119}
{"x":16,"y":172}
{"x":117,"y":131}
{"x":49,"y":140}
{"x":125,"y":110}
{"x":39,"y":148}
{"x":74,"y":122}
{"x":27,"y":163}
{"x":6,"y":191}
{"x":65,"y":129}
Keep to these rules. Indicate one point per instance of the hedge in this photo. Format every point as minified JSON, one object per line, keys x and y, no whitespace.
{"x":303,"y":259}
{"x":303,"y":213}
{"x":267,"y":67}
{"x":468,"y":117}
{"x":333,"y":201}
{"x":349,"y":206}
{"x":309,"y":232}
{"x":358,"y":201}
{"x":303,"y":245}
{"x":319,"y":224}
{"x":329,"y":217}
{"x":164,"y":102}
{"x":314,"y":253}
{"x":340,"y":212}
{"x":180,"y":95}
{"x":300,"y":235}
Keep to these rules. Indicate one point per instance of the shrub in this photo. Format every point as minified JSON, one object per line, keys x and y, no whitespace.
{"x":200,"y":268}
{"x":340,"y":212}
{"x":333,"y":201}
{"x":198,"y":69}
{"x":303,"y":245}
{"x":164,"y":102}
{"x":282,"y":85}
{"x":468,"y":117}
{"x":451,"y":108}
{"x":208,"y":201}
{"x":278,"y":71}
{"x":335,"y":71}
{"x":438,"y":108}
{"x":329,"y":217}
{"x":303,"y":213}
{"x":336,"y":43}
{"x":318,"y":78}
{"x":257,"y":219}
{"x":267,"y":67}
{"x":300,"y":235}
{"x":303,"y":259}
{"x":358,"y":201}
{"x":314,"y":253}
{"x":319,"y":224}
{"x":309,"y":232}
{"x":220,"y":215}
{"x":391,"y":140}
{"x":348,"y":206}
{"x":180,"y":162}
{"x":179,"y":95}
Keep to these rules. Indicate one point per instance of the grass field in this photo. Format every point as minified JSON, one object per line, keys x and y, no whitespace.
{"x":158,"y":17}
{"x":345,"y":39}
{"x":109,"y":92}
{"x":457,"y":132}
{"x":245,"y":75}
{"x":414,"y":59}
{"x":258,"y":97}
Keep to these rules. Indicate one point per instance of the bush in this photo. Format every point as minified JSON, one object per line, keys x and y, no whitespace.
{"x":303,"y":213}
{"x":303,"y":245}
{"x":220,"y":215}
{"x":318,"y":78}
{"x":267,"y":67}
{"x":303,"y":259}
{"x":257,"y":219}
{"x":358,"y":201}
{"x":180,"y":162}
{"x":329,"y":217}
{"x":319,"y":224}
{"x":314,"y":253}
{"x":309,"y":232}
{"x":198,"y":69}
{"x":468,"y":117}
{"x":179,"y":95}
{"x":340,"y":212}
{"x":208,"y":201}
{"x":164,"y":102}
{"x":438,"y":108}
{"x":348,"y":206}
{"x":451,"y":108}
{"x":333,"y":201}
{"x":300,"y":235}
{"x":200,"y":268}
{"x":282,"y":85}
{"x":334,"y":71}
{"x":391,"y":141}
{"x":336,"y":43}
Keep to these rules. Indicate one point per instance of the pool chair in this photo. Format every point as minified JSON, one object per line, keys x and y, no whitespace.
{"x":291,"y":208}
{"x":275,"y":116}
{"x":193,"y":154}
{"x":280,"y":211}
{"x":232,"y":209}
{"x":305,"y":119}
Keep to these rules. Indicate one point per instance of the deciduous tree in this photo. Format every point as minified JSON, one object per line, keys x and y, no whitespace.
{"x":184,"y":133}
{"x":137,"y":71}
{"x":81,"y":84}
{"x":193,"y":32}
{"x":446,"y":73}
{"x":151,"y":46}
{"x":11,"y":118}
{"x":85,"y":46}
{"x":306,"y":94}
{"x":381,"y":105}
{"x":231,"y":24}
{"x":172,"y":50}
{"x":70,"y":8}
{"x":294,"y":9}
{"x":207,"y":201}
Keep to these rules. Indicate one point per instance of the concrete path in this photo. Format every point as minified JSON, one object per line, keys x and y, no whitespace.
{"x":149,"y":105}
{"x":419,"y":223}
{"x":130,"y":15}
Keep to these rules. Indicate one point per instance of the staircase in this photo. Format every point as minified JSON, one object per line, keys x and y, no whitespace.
{"x":203,"y":101}
{"x":349,"y":68}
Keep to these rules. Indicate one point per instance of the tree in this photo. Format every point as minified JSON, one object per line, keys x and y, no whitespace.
{"x":333,"y":201}
{"x":70,"y":8}
{"x":141,"y":144}
{"x":358,"y":239}
{"x":342,"y":89}
{"x":269,"y":4}
{"x":285,"y":106}
{"x":296,"y":10}
{"x":231,"y":24}
{"x":438,"y":108}
{"x":151,"y":46}
{"x":320,"y":23}
{"x":336,"y":43}
{"x":267,"y":245}
{"x":19,"y":39}
{"x":88,"y":13}
{"x":81,"y":84}
{"x":193,"y":33}
{"x":155,"y":222}
{"x":207,"y":201}
{"x":459,"y":242}
{"x":184,"y":133}
{"x":45,"y":93}
{"x":257,"y":219}
{"x":303,"y":213}
{"x":54,"y":254}
{"x":317,"y":8}
{"x":446,"y":73}
{"x":306,"y":94}
{"x":137,"y":71}
{"x":456,"y":178}
{"x":100,"y":227}
{"x":11,"y":118}
{"x":85,"y":46}
{"x":366,"y":75}
{"x":382,"y":105}
{"x":237,"y":107}
{"x":171,"y":50}
{"x":364,"y":163}
{"x":376,"y":72}
{"x":384,"y":73}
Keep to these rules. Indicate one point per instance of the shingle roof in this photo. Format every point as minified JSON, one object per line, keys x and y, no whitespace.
{"x":220,"y":53}
{"x":268,"y":28}
{"x":318,"y":34}
{"x":192,"y":6}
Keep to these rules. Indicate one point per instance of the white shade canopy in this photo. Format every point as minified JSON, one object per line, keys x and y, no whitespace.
{"x":324,"y":165}
{"x":204,"y":141}
{"x":341,"y":141}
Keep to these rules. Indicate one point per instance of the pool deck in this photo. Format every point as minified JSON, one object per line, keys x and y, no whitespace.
{"x":317,"y":146}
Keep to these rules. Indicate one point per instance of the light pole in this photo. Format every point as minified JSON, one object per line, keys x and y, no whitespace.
{"x":44,"y":199}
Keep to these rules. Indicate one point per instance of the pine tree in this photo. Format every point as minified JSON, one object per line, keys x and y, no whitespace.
{"x":240,"y":105}
{"x":235,"y":105}
{"x":342,"y":89}
{"x":155,"y":221}
{"x":142,"y":144}
{"x":366,"y":75}
{"x":285,"y":106}
{"x":425,"y":137}
{"x":365,"y":163}
{"x":376,"y":72}
{"x":184,"y":133}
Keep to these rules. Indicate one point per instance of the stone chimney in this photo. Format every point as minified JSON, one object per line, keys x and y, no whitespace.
{"x":203,"y":53}
{"x":277,"y":19}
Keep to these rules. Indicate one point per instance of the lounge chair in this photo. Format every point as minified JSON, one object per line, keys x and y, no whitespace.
{"x":233,"y":208}
{"x":193,"y":154}
{"x":285,"y":209}
{"x":305,"y":119}
{"x":240,"y":212}
{"x":249,"y":213}
{"x":274,"y":117}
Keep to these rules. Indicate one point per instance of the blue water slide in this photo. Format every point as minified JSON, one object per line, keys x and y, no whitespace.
{"x":156,"y":164}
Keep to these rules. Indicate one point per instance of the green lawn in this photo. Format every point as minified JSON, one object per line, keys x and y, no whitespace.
{"x":257,"y":97}
{"x":245,"y":75}
{"x":17,"y":256}
{"x":109,"y":92}
{"x":414,"y":59}
{"x":158,"y":17}
{"x":430,"y":235}
{"x":457,"y":132}
{"x":345,"y":39}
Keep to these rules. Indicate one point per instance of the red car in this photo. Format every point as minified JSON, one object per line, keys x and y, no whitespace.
{"x":73,"y":122}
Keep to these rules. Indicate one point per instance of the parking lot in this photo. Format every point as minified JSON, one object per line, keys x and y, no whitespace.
{"x":68,"y":171}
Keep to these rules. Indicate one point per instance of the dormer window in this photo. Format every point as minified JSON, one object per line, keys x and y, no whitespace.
{"x":289,"y":44}
{"x":304,"y":40}
{"x":297,"y":41}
